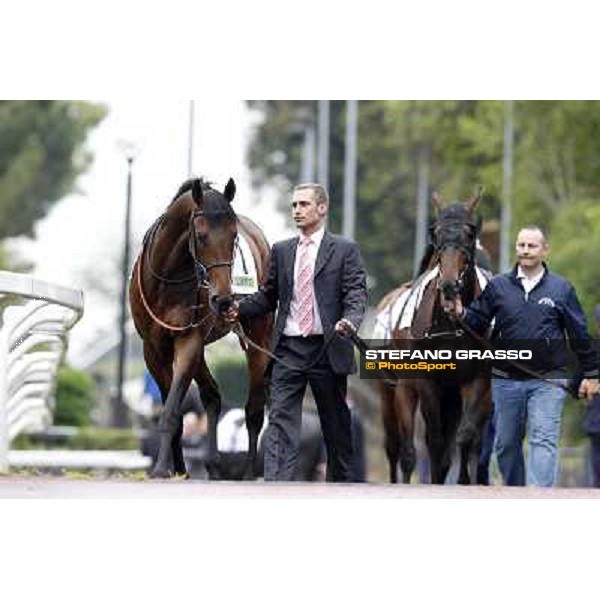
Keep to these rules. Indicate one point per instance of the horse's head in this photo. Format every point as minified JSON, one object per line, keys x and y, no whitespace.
{"x":454,"y":237}
{"x":212,"y":241}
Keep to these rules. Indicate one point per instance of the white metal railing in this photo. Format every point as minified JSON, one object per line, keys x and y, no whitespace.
{"x":33,"y":340}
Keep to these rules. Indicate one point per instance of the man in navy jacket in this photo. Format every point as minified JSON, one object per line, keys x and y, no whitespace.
{"x":532,"y":303}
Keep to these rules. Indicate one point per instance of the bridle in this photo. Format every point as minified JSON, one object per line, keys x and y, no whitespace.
{"x":200,"y":269}
{"x":455,"y":239}
{"x":200,"y":274}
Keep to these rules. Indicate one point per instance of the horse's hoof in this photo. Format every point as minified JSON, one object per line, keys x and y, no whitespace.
{"x":160,"y":473}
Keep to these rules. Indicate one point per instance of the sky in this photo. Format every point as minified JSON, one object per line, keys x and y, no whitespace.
{"x":89,"y":256}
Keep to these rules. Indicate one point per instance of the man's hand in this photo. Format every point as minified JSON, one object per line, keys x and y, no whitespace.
{"x":232,"y":316}
{"x":345,"y":327}
{"x":588,"y":388}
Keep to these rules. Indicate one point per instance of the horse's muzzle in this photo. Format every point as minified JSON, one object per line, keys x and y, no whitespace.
{"x":221,"y":304}
{"x":449,"y":290}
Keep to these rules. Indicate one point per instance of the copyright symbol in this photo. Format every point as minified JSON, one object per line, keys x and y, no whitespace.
{"x":370,"y":365}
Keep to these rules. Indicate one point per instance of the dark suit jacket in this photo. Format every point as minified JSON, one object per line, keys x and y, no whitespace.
{"x":340,"y":291}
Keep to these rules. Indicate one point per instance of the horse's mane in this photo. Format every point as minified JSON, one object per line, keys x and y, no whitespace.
{"x":427,"y":256}
{"x":187,"y":185}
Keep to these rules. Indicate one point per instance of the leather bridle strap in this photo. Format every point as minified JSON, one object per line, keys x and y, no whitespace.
{"x":201,"y":270}
{"x":246,"y":340}
{"x":354,"y":337}
{"x":153,"y":316}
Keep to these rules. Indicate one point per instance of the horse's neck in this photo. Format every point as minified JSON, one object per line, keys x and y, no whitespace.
{"x":430,"y":315}
{"x":423,"y":318}
{"x":170,"y":247}
{"x":172,"y":239}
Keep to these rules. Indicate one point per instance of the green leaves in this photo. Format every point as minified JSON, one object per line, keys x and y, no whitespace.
{"x":575,"y":248}
{"x":41,"y":155}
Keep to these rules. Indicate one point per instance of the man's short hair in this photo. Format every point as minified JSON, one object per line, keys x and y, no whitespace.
{"x":320,"y":193}
{"x":534,"y":227}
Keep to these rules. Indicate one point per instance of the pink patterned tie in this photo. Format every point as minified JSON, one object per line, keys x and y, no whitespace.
{"x":304,"y":289}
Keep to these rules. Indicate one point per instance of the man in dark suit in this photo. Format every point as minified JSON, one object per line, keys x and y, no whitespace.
{"x":317,"y":284}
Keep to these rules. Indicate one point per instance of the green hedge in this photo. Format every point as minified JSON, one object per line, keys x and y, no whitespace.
{"x":86,"y":438}
{"x":74,"y":398}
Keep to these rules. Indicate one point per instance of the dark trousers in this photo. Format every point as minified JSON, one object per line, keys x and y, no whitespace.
{"x":282,"y":438}
{"x":595,"y":458}
{"x":487,"y":447}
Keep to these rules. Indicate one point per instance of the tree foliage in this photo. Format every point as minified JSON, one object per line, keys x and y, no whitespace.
{"x":41,"y":154}
{"x":575,"y":248}
{"x":556,"y":164}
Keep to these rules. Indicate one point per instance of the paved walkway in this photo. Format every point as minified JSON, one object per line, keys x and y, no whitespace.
{"x":32,"y":487}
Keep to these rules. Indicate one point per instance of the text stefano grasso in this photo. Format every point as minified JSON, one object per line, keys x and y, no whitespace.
{"x":497,"y":354}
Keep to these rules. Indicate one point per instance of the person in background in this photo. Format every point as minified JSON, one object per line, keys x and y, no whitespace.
{"x":591,"y":420}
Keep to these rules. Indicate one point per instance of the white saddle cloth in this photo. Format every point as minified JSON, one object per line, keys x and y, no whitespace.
{"x":406,"y":305}
{"x":244,"y":281}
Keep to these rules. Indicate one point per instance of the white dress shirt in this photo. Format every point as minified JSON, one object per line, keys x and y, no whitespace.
{"x":527,"y":282}
{"x":292,"y":326}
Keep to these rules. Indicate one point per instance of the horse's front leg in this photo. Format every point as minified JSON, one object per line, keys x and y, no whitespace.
{"x":169,"y":423}
{"x":257,"y":393}
{"x":476,"y":403}
{"x":406,"y":400}
{"x":211,"y":399}
{"x":431,"y":397}
{"x":177,"y":450}
{"x":391,"y":434}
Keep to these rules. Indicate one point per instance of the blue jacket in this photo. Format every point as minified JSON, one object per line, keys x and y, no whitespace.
{"x":550,"y":310}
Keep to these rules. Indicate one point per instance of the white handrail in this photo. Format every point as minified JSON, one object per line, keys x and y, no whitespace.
{"x":26,"y":377}
{"x":35,"y":289}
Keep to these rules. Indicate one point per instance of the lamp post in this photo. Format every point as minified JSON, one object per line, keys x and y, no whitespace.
{"x":130,"y":152}
{"x":350,"y":166}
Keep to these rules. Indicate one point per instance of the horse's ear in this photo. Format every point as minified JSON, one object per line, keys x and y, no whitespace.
{"x":197,"y":193}
{"x":472,"y":203}
{"x":437,"y":202}
{"x":229,"y":191}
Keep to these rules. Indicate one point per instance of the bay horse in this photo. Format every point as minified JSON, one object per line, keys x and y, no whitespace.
{"x":454,"y":411}
{"x":180,"y":288}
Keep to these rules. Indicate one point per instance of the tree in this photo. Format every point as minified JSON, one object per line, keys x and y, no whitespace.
{"x":393,"y":136}
{"x":575,"y":247}
{"x":41,"y":155}
{"x":556,"y":158}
